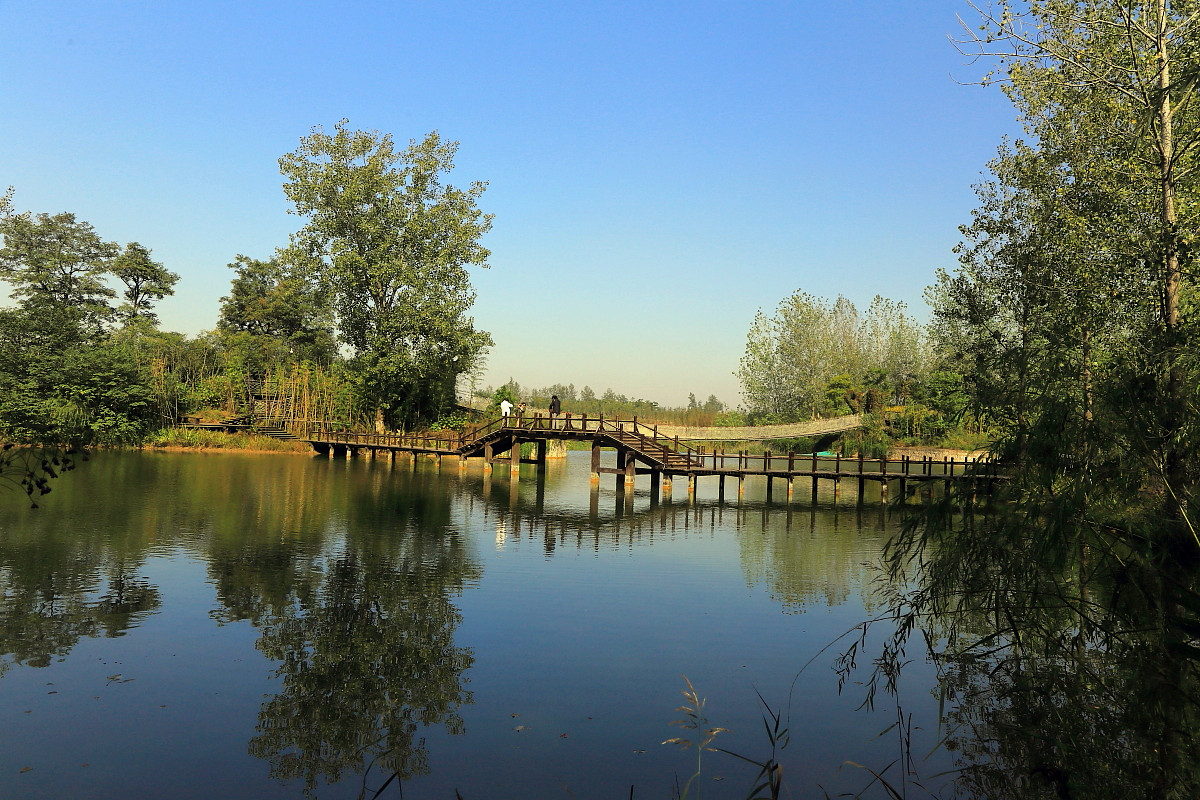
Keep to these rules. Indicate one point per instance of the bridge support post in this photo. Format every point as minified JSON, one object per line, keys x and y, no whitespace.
{"x":630,"y":469}
{"x":541,"y":455}
{"x":791,"y":485}
{"x":462,"y":463}
{"x":741,"y":485}
{"x":770,"y":480}
{"x":861,"y":480}
{"x":666,"y":484}
{"x":437,"y":462}
{"x":595,"y":461}
{"x":691,"y":484}
{"x":721,"y":488}
{"x":514,"y":459}
{"x":814,"y":475}
{"x":655,"y":481}
{"x":487,"y":459}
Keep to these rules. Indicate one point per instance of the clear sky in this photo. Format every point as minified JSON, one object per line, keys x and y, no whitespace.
{"x":658,"y":171}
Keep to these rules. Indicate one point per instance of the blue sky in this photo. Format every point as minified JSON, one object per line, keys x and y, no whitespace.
{"x":658,"y":171}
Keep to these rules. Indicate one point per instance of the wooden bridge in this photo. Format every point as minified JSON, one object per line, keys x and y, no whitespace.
{"x":642,"y":450}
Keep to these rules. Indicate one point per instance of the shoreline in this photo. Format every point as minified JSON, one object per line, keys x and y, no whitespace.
{"x":175,"y":448}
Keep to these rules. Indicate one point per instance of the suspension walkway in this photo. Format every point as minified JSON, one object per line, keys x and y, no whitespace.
{"x":645,"y":450}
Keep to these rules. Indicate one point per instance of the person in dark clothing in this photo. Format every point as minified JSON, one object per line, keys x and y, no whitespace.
{"x":555,"y":410}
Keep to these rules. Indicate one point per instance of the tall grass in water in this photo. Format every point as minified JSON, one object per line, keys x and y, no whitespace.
{"x":701,"y":737}
{"x":768,"y":781}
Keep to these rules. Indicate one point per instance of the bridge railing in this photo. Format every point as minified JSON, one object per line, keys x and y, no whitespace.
{"x":441,"y":441}
{"x":926,"y":467}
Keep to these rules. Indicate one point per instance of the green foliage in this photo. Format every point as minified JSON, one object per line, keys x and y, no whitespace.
{"x":871,"y":440}
{"x":56,"y":261}
{"x":199,"y":439}
{"x":59,"y":387}
{"x":451,"y":422}
{"x":505,"y":392}
{"x":274,"y":307}
{"x":814,"y":358}
{"x":1066,"y":625}
{"x":729,"y":419}
{"x":393,"y":244}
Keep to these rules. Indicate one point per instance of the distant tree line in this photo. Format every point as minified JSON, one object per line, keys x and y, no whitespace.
{"x":813,"y":358}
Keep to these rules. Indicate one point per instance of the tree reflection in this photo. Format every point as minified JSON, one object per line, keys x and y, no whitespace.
{"x":811,"y":556}
{"x":1047,"y":728}
{"x":365,"y":646}
{"x":44,"y":614}
{"x":1066,"y":677}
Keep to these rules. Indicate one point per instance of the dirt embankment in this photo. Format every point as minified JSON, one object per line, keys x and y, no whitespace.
{"x":936,"y":453}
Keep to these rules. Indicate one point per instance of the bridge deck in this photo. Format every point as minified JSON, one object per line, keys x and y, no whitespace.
{"x":641,"y":449}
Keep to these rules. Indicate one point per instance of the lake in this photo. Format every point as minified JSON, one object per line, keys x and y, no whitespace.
{"x":246,"y":626}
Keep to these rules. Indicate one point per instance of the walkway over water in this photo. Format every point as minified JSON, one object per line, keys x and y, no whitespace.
{"x":644,"y":450}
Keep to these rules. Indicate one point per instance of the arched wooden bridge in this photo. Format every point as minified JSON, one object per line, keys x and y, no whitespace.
{"x":643,"y":450}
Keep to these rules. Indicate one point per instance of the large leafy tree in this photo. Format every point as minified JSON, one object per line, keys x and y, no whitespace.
{"x":393,"y":244}
{"x":56,"y":260}
{"x":1107,"y":89}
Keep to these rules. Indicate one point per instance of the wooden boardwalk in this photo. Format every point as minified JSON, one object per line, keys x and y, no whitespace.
{"x":642,"y":450}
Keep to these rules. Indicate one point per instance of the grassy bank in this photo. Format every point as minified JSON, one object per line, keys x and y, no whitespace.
{"x":193,"y":439}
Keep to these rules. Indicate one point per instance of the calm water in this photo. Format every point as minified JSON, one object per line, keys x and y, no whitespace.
{"x":223,"y":625}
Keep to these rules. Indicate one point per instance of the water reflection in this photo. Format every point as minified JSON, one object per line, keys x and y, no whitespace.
{"x":60,"y":583}
{"x":354,"y":575}
{"x":362,"y":625}
{"x":45,"y":614}
{"x":367,"y":658}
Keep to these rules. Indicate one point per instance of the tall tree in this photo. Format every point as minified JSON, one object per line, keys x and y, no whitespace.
{"x":1121,"y":75}
{"x":1073,"y":305}
{"x":394,"y":244}
{"x":56,"y":260}
{"x":146,"y":281}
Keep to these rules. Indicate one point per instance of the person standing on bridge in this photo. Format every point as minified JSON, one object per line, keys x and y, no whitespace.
{"x":555,"y":410}
{"x":505,"y":407}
